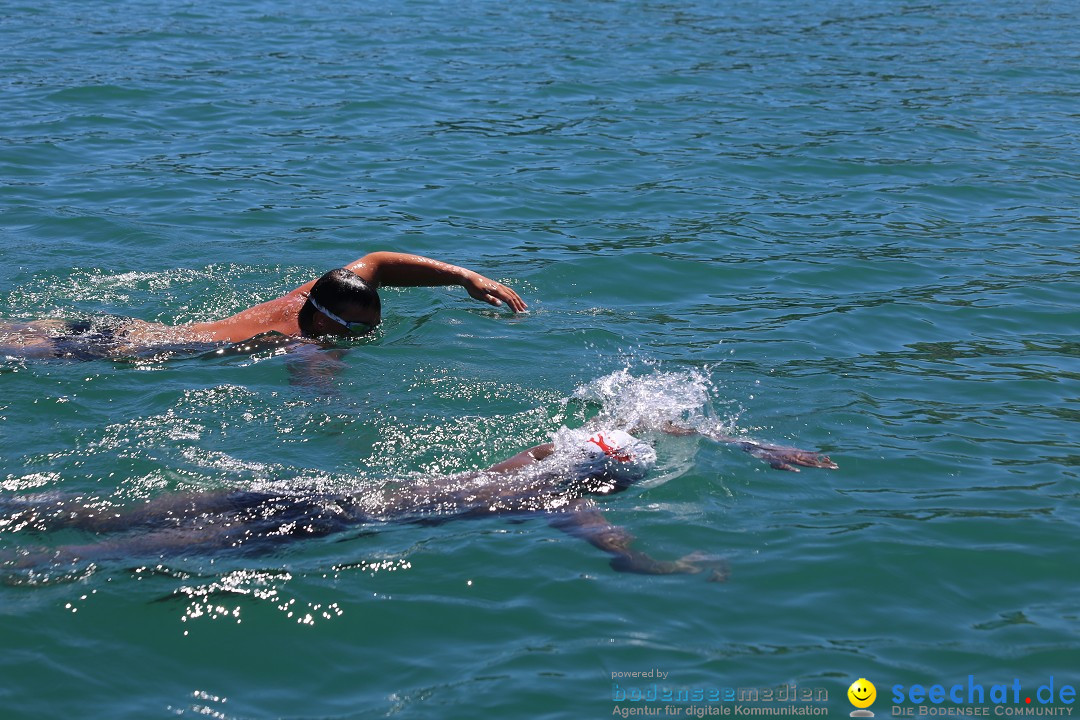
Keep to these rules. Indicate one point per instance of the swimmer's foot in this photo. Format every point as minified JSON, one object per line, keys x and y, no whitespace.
{"x":20,"y":511}
{"x":35,"y":501}
{"x":12,"y":559}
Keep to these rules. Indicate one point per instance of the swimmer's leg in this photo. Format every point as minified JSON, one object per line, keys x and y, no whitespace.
{"x":54,"y":511}
{"x":170,"y":542}
{"x":254,"y":523}
{"x":41,"y":511}
{"x":581,"y":519}
{"x":29,"y":339}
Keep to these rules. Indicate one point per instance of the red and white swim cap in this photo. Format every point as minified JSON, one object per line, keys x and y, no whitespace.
{"x":610,"y":452}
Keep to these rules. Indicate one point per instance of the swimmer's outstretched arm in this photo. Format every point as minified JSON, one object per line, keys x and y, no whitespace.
{"x":778,"y":456}
{"x":581,"y":519}
{"x":404,"y":270}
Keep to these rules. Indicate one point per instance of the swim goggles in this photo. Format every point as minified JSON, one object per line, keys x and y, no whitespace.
{"x":354,"y":328}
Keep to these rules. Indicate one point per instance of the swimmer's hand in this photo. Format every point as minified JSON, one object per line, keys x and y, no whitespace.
{"x":785,"y":458}
{"x":638,"y":562}
{"x":494,"y":293}
{"x":583,"y":520}
{"x":778,"y":456}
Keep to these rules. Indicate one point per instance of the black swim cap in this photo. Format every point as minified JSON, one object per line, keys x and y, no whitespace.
{"x":334,"y":291}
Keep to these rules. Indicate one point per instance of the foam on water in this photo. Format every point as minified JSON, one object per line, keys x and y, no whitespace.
{"x":651,"y":401}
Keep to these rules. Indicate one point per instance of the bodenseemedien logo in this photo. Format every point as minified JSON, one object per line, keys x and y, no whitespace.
{"x":862,"y":694}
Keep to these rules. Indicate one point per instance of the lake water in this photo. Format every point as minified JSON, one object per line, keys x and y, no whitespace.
{"x":842,"y":226}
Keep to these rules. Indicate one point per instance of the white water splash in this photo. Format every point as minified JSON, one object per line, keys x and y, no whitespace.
{"x":655,"y":401}
{"x":649,"y":405}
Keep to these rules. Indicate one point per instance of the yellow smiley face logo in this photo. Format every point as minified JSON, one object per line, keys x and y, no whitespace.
{"x":862,"y":693}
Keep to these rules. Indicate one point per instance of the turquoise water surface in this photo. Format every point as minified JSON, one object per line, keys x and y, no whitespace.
{"x":849,"y":227}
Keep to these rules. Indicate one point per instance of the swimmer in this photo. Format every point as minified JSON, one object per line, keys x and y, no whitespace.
{"x":555,"y":479}
{"x":342,"y":302}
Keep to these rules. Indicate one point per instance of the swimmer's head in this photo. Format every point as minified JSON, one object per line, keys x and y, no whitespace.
{"x":340,"y":303}
{"x":611,"y":454}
